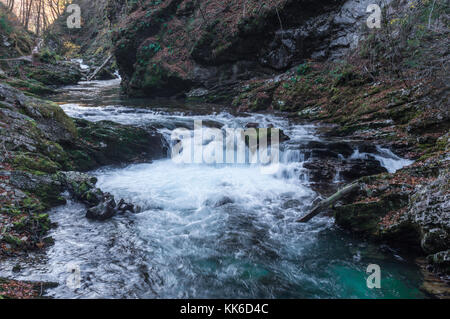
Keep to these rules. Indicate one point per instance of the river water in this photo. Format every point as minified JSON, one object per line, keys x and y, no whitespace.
{"x":207,"y":231}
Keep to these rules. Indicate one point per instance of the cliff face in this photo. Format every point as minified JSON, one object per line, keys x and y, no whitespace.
{"x":169,"y":47}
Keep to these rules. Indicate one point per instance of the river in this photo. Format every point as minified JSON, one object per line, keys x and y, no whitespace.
{"x":207,"y":231}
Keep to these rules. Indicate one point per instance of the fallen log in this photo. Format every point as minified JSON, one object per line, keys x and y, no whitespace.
{"x":90,"y":77}
{"x":328,"y":202}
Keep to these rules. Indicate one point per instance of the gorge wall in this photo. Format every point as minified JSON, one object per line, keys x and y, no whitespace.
{"x":164,"y":48}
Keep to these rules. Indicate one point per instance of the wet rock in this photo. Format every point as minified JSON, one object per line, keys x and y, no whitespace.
{"x":92,"y":197}
{"x":218,"y":202}
{"x":81,"y":186}
{"x":103,"y":211}
{"x":321,"y":171}
{"x":223,"y":201}
{"x":124,"y":207}
{"x":107,"y":208}
{"x":409,"y":208}
{"x":326,"y":149}
{"x":355,"y":168}
{"x":105,"y":143}
{"x":197,"y":92}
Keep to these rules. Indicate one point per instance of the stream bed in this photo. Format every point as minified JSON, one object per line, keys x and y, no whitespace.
{"x":207,"y":231}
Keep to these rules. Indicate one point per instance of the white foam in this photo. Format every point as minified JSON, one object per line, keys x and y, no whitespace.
{"x":390,"y":161}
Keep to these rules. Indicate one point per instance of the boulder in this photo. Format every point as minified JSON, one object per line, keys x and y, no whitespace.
{"x":103,"y":211}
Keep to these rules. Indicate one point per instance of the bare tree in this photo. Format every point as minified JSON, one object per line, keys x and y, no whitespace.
{"x":37,"y":15}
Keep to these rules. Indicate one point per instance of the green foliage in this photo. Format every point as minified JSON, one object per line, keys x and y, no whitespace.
{"x":303,"y":69}
{"x":48,"y":56}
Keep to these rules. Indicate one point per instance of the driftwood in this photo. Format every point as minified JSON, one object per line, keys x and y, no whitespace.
{"x":90,"y":77}
{"x":328,"y":202}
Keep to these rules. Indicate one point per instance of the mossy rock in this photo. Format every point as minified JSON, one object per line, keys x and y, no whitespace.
{"x":105,"y":142}
{"x":156,"y":79}
{"x":56,"y":76}
{"x":364,"y":218}
{"x":30,"y":86}
{"x":35,"y":162}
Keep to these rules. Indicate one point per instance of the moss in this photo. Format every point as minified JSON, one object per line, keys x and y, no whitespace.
{"x":13,"y":240}
{"x":155,"y":76}
{"x":35,"y":162}
{"x":21,"y":223}
{"x":48,"y":56}
{"x":10,"y":210}
{"x":442,"y":143}
{"x":82,"y":160}
{"x":31,"y":204}
{"x":57,"y":154}
{"x":44,"y":222}
{"x":52,"y":111}
{"x":30,"y":86}
{"x":49,"y":194}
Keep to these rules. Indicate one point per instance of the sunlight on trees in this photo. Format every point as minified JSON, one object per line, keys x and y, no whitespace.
{"x":36,"y":15}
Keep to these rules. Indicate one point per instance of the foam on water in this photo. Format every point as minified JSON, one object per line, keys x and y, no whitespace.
{"x":387,"y":159}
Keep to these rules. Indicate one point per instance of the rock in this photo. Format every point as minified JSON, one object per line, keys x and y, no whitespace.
{"x":410,"y":208}
{"x":440,"y":261}
{"x":355,"y":168}
{"x":105,"y":143}
{"x":321,"y":171}
{"x":224,"y":53}
{"x":92,"y":197}
{"x":59,"y":73}
{"x":124,"y":207}
{"x":434,"y":240}
{"x":103,"y":211}
{"x":81,"y":186}
{"x":45,"y":187}
{"x":197,"y":92}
